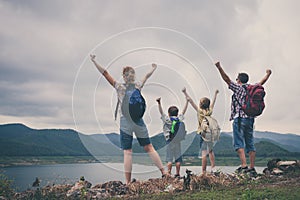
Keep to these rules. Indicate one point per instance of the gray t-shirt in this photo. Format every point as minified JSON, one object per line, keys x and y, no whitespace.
{"x":121,"y":88}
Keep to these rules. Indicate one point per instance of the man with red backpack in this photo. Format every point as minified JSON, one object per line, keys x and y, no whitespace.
{"x":247,"y":103}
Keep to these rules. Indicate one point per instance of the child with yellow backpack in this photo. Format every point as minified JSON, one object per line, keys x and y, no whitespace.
{"x":208,"y":128}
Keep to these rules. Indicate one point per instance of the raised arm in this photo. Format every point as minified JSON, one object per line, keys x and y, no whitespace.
{"x":159,"y":106}
{"x":185,"y":106}
{"x":154,"y":66}
{"x":189,"y":99}
{"x":224,"y":76}
{"x":103,"y":71}
{"x":214,"y":99}
{"x":266,"y":77}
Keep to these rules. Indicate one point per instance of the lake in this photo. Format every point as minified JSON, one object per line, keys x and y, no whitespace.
{"x":24,"y":176}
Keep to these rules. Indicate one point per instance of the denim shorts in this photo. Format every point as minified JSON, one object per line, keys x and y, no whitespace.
{"x":127,"y":127}
{"x":243,"y":134}
{"x":174,"y":152}
{"x":206,"y":146}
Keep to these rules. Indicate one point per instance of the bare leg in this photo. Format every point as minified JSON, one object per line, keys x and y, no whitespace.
{"x":204,"y":161}
{"x":178,"y":168}
{"x":128,"y":164}
{"x":169,"y":165}
{"x":212,"y":159}
{"x":241,"y":153}
{"x":155,"y":157}
{"x":252,"y":158}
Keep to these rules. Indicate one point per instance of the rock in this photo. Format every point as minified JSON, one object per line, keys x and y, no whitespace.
{"x":80,"y":188}
{"x":276,"y":171}
{"x":116,"y":189}
{"x":169,"y":188}
{"x":279,"y":167}
{"x":286,"y":163}
{"x":267,"y":172}
{"x":113,"y":188}
{"x":273,"y":163}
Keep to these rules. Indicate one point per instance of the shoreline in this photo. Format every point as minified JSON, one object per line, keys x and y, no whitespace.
{"x":19,"y":161}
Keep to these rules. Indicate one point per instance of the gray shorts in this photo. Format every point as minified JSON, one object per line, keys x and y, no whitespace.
{"x":206,"y":146}
{"x":174,"y":152}
{"x":127,"y":128}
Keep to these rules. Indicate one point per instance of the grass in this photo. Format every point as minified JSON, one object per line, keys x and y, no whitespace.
{"x":286,"y":193}
{"x":246,"y":192}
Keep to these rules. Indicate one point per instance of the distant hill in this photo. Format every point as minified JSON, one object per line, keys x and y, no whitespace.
{"x":289,"y":141}
{"x":20,"y":140}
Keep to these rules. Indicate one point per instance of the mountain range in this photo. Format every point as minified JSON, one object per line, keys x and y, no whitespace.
{"x":20,"y":140}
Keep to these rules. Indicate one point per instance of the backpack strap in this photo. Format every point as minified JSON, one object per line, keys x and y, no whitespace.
{"x":117,"y":108}
{"x":204,"y":117}
{"x":118,"y":104}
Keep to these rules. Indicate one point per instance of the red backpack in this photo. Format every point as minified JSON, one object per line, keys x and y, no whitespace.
{"x":254,"y":100}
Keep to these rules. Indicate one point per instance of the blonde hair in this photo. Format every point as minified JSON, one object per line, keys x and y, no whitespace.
{"x":128,"y":77}
{"x":126,"y":69}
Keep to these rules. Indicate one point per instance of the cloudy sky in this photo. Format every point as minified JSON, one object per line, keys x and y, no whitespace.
{"x":48,"y":81}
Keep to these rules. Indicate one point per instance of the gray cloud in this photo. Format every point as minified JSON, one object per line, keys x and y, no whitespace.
{"x":43,"y":44}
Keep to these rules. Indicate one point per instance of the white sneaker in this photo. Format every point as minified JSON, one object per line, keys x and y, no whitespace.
{"x":213,"y":170}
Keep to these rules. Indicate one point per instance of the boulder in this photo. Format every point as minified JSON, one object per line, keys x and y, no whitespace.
{"x":279,"y":167}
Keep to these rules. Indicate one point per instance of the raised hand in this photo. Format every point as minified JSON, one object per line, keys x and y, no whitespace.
{"x":268,"y":71}
{"x":93,"y":57}
{"x":158,"y":100}
{"x":218,"y":64}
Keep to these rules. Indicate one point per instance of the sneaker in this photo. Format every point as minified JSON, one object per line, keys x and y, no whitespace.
{"x":167,"y":175}
{"x":213,"y":170}
{"x":252,"y":172}
{"x":241,"y":170}
{"x":177,"y":176}
{"x":133,"y":180}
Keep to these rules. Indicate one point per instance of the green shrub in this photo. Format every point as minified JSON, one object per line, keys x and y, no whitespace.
{"x":6,"y":189}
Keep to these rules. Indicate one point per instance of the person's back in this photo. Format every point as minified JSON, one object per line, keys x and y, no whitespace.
{"x":204,"y":111}
{"x":243,"y":124}
{"x":174,"y":132}
{"x":127,"y":125}
{"x":173,"y":123}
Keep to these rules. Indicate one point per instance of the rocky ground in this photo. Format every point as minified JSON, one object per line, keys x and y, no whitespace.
{"x":278,"y":173}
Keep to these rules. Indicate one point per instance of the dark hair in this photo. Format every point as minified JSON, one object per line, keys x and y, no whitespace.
{"x":173,"y":111}
{"x":204,"y":103}
{"x":243,"y":77}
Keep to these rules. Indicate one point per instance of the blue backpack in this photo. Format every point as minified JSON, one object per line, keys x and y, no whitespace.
{"x":133,"y":105}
